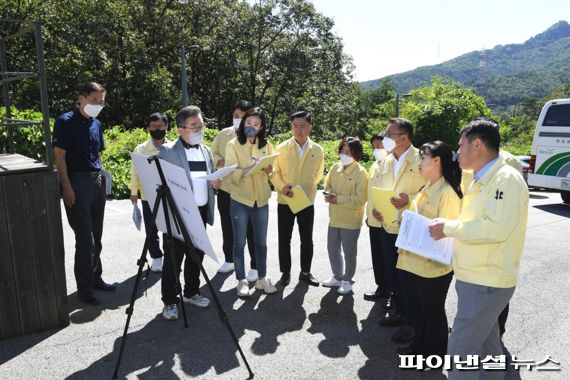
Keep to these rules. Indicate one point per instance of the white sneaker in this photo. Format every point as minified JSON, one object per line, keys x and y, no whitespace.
{"x":265,"y":285}
{"x":332,"y":282}
{"x":170,"y":312}
{"x":197,"y":300}
{"x":345,"y":287}
{"x":243,"y":288}
{"x":156,"y":265}
{"x":252,"y":275}
{"x":226,"y":268}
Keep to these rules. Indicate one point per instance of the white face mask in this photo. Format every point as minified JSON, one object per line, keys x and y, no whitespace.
{"x":236,"y":122}
{"x":196,"y":137}
{"x":346,"y":159}
{"x":388,"y":143}
{"x":379,"y":154}
{"x":92,"y":110}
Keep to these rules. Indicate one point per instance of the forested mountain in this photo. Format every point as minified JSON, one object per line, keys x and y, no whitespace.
{"x":511,"y":73}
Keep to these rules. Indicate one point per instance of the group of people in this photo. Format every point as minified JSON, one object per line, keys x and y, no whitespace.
{"x":474,"y":196}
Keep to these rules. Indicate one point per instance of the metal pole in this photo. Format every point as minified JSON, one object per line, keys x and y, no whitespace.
{"x":397,"y":105}
{"x":43,"y":93}
{"x":6,"y":94}
{"x":184,"y":80}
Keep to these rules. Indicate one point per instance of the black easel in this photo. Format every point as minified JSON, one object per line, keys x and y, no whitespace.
{"x":164,"y":197}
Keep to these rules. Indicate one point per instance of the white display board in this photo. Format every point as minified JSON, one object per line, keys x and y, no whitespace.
{"x":183,"y":197}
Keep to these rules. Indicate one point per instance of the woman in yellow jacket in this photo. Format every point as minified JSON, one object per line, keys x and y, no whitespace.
{"x":425,"y":282}
{"x":345,"y":190}
{"x":249,"y":196}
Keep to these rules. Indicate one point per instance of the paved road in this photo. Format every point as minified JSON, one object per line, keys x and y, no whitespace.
{"x":298,"y":333}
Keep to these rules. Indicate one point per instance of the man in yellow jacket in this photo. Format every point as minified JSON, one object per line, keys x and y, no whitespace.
{"x":489,"y":237}
{"x":157,"y":124}
{"x":398,"y":172}
{"x":300,"y":162}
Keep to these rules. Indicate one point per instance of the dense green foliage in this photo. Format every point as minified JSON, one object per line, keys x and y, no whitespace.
{"x":280,"y":54}
{"x":513,"y":73}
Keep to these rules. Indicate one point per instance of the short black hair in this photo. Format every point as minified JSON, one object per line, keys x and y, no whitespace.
{"x":302,"y":114}
{"x":484,"y":129}
{"x":355,"y":146}
{"x":243,"y":105}
{"x":378,"y":136}
{"x":185,"y":113}
{"x":89,"y":87}
{"x":156,"y":116}
{"x":404,"y":125}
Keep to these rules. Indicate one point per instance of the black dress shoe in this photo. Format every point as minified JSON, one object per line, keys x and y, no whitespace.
{"x":89,"y":299}
{"x":406,"y":350}
{"x":388,"y":305}
{"x":309,"y":279}
{"x":285,"y":279}
{"x":393,"y":320}
{"x":404,"y":335}
{"x":377,"y":295}
{"x":102,"y":285}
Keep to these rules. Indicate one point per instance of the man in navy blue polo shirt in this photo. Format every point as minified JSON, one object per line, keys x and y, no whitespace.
{"x":77,"y":141}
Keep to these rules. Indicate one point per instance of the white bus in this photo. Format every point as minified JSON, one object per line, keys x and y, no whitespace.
{"x":550,"y":156}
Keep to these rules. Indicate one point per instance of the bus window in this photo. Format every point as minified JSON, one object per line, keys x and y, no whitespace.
{"x":557,"y":116}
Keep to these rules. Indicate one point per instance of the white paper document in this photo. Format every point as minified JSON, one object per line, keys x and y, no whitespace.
{"x":137,"y":217}
{"x":414,"y":237}
{"x":222,"y":172}
{"x":183,"y":197}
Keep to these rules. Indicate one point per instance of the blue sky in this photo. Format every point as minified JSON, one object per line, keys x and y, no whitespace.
{"x":388,"y":37}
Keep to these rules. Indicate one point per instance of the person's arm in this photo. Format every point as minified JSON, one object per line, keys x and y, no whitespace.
{"x":217,"y":156}
{"x":358,"y":198}
{"x":68,"y":193}
{"x":276,"y":178}
{"x":320,"y":170}
{"x":500,"y":215}
{"x":135,"y":183}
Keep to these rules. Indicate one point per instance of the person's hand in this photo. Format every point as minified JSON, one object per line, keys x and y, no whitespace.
{"x":221,"y":163}
{"x":68,"y":196}
{"x":400,"y":202}
{"x":377,"y":215}
{"x":286,"y":190}
{"x":331,"y":198}
{"x":216,"y":184}
{"x":247,"y":170}
{"x":268,"y":170}
{"x":134,"y":199}
{"x":436,"y":229}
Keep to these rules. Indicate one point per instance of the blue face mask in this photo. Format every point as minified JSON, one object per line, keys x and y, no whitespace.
{"x":250,"y":132}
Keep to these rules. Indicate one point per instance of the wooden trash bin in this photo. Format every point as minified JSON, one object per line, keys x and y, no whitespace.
{"x":32,"y":258}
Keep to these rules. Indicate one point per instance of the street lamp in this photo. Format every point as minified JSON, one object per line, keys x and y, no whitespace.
{"x":398,"y":103}
{"x":183,"y":77}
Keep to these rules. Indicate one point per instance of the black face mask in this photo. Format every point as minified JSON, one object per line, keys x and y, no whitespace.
{"x":158,"y":134}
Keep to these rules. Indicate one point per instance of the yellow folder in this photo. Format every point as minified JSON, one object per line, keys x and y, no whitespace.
{"x":381,"y":202}
{"x":299,"y":201}
{"x":262,"y":163}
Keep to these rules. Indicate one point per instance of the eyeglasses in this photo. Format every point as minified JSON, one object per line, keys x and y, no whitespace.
{"x":192,"y":129}
{"x":393,"y":134}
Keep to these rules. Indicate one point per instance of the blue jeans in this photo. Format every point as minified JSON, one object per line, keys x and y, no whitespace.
{"x":259,"y":216}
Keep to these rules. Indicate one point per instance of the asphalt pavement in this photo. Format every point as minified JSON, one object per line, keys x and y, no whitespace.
{"x":297,"y":333}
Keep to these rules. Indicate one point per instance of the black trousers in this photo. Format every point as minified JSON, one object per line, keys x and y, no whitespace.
{"x":378,"y":262}
{"x":191,"y":267}
{"x":227,"y":232}
{"x":409,"y":304}
{"x":285,"y":224}
{"x":86,"y":219}
{"x":430,"y":322}
{"x":390,"y":254}
{"x":151,"y":232}
{"x":503,"y":319}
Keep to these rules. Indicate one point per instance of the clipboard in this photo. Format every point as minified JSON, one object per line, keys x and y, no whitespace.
{"x":262,"y":163}
{"x":381,"y":202}
{"x":299,"y":201}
